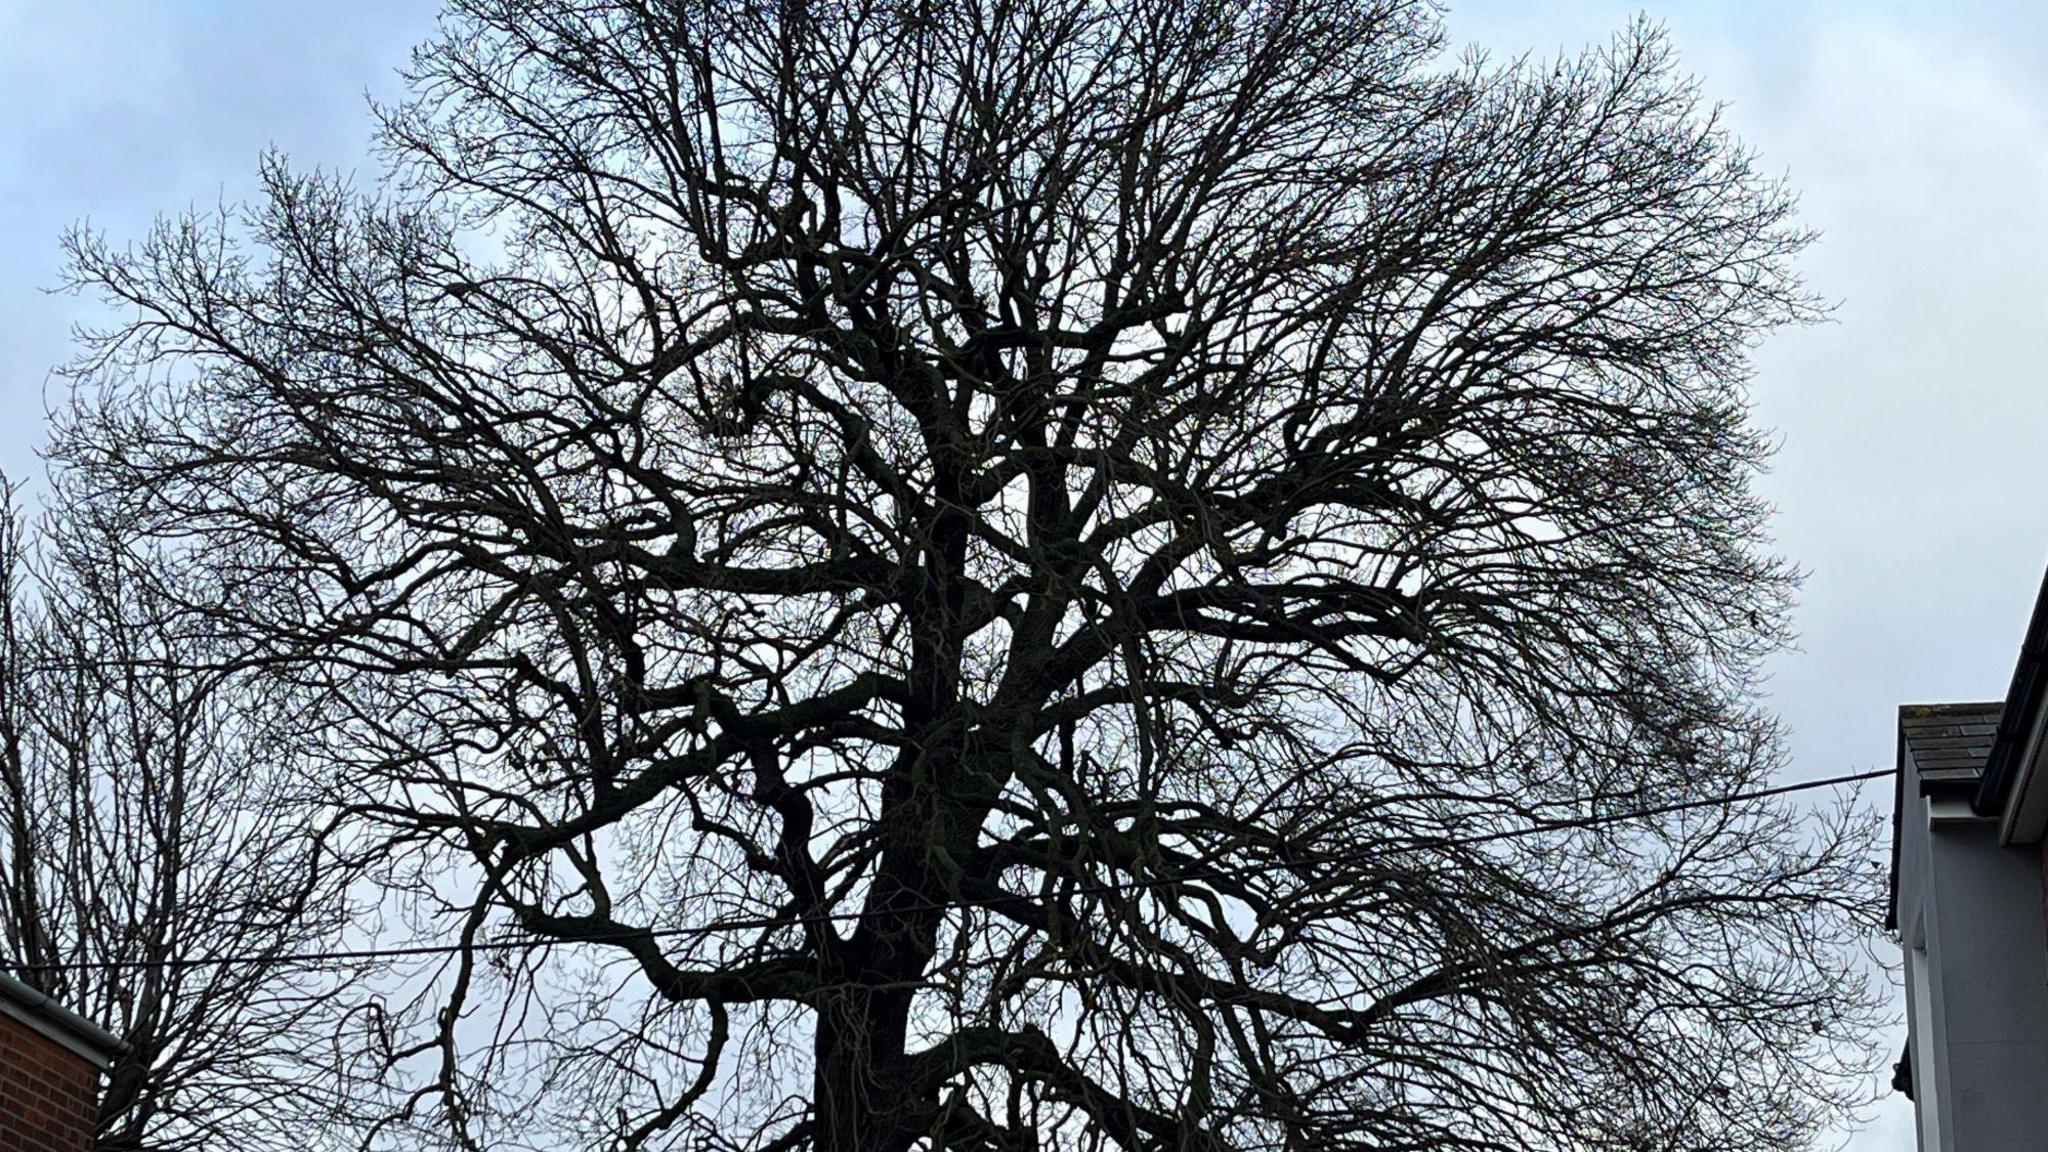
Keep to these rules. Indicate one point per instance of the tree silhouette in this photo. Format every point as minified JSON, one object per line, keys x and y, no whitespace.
{"x":989,"y":574}
{"x":147,"y":826}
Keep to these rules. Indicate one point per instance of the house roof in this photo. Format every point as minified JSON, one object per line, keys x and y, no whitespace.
{"x":58,"y":1023}
{"x":1949,"y":744}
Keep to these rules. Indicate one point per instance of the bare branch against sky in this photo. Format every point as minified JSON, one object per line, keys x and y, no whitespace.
{"x":1917,"y":148}
{"x":1056,"y":522}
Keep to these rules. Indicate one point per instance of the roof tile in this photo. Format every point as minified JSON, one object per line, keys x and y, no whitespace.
{"x":1949,"y":742}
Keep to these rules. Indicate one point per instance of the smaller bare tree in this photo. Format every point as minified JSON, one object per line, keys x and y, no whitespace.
{"x":145,"y":834}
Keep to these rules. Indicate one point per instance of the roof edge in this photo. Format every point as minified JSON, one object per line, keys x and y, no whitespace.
{"x":58,"y":1023}
{"x":1891,"y":902}
{"x":2022,"y":701}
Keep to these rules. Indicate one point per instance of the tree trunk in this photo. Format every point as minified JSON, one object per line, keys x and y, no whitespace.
{"x":863,"y":1100}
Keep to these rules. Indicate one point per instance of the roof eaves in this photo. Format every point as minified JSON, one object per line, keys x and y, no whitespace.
{"x":60,"y":1024}
{"x":2022,"y":704}
{"x":1947,"y":744}
{"x":1891,"y":904}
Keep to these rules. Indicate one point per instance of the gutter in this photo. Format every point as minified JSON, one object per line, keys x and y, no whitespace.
{"x":60,"y":1024}
{"x":2022,"y":703}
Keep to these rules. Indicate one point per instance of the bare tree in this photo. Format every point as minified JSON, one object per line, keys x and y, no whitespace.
{"x":1002,"y":574}
{"x":143,"y":827}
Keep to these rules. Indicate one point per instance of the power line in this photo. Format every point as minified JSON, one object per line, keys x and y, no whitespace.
{"x":766,"y":922}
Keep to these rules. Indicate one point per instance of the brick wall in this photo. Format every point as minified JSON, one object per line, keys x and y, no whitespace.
{"x":46,"y":1093}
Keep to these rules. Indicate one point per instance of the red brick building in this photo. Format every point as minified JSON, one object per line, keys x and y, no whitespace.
{"x":50,"y":1064}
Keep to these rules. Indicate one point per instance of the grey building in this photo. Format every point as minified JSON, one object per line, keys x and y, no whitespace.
{"x":1967,"y":903}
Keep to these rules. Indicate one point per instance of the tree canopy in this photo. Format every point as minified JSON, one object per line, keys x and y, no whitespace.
{"x":1002,"y":574}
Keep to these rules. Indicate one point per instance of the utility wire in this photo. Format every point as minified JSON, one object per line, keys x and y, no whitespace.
{"x":767,"y":922}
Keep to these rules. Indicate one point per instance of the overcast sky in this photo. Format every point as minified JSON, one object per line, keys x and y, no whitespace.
{"x":1912,"y":482}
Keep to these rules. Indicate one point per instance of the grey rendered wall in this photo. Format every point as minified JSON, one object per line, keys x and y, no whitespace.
{"x":1980,"y":906}
{"x":1991,"y":963}
{"x":1918,"y":924}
